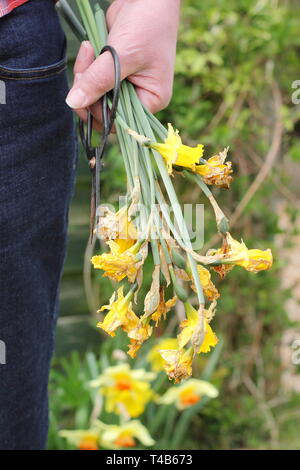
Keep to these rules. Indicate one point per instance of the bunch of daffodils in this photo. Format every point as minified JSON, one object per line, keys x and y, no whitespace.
{"x":153,"y":156}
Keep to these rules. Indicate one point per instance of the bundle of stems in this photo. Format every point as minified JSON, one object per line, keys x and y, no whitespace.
{"x":139,"y":167}
{"x":150,"y":185}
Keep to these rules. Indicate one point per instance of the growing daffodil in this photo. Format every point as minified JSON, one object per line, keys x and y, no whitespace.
{"x":188,"y":394}
{"x":127,"y":391}
{"x":83,"y":439}
{"x":125,"y":435}
{"x":175,"y":153}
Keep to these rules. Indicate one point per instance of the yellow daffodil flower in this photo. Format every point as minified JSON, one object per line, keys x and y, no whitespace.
{"x":124,"y":436}
{"x":155,"y":358}
{"x":178,"y":363}
{"x":127,"y":391}
{"x":120,"y":314}
{"x":164,"y":307}
{"x":236,"y":253}
{"x":83,"y":439}
{"x":189,"y":327}
{"x":117,"y":264}
{"x":175,"y":153}
{"x":215,"y":171}
{"x":188,"y":394}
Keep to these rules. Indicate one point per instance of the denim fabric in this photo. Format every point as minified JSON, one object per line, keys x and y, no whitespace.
{"x":37,"y":171}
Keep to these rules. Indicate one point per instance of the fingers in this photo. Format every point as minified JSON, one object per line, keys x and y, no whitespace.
{"x":93,"y":78}
{"x":85,"y":58}
{"x":95,"y":81}
{"x":157,"y":98}
{"x":152,"y":101}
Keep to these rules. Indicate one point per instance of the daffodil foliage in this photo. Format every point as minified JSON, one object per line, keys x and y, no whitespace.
{"x":118,"y":405}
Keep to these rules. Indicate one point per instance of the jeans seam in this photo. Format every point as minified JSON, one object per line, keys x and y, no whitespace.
{"x":37,"y":70}
{"x":38,"y":77}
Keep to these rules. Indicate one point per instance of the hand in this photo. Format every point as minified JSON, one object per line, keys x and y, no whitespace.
{"x":144,"y":34}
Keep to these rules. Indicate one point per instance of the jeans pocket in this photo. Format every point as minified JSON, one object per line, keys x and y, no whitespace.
{"x":36,"y":73}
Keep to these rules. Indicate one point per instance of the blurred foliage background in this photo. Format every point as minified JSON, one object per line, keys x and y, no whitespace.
{"x":236,"y":62}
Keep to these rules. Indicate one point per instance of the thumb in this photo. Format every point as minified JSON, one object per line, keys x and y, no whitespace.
{"x":98,"y":79}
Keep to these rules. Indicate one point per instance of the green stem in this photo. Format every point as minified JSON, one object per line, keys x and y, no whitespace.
{"x":101,"y":26}
{"x":89,"y":23}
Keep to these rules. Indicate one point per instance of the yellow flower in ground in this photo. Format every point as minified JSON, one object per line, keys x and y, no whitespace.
{"x":175,"y":153}
{"x":236,"y":253}
{"x":120,"y":314}
{"x":215,"y":171}
{"x":127,"y":391}
{"x":209,"y":289}
{"x":124,"y":436}
{"x":164,"y":307}
{"x":190,"y":325}
{"x":155,"y":358}
{"x":138,"y":335}
{"x":83,"y":439}
{"x":119,"y":227}
{"x":188,"y":394}
{"x":178,"y":363}
{"x":118,"y":264}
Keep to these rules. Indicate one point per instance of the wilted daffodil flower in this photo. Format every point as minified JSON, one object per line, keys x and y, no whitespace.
{"x":117,"y":226}
{"x":119,"y":264}
{"x":127,"y":391}
{"x":177,"y":363}
{"x":163,"y":307}
{"x":209,"y":289}
{"x":188,"y":394}
{"x":236,"y":253}
{"x":215,"y":171}
{"x":120,"y":313}
{"x":175,"y":153}
{"x":83,"y":439}
{"x":137,"y":335}
{"x":125,"y":435}
{"x":154,"y":356}
{"x":190,"y":325}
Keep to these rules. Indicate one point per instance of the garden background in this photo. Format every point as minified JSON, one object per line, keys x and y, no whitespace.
{"x":236,"y":62}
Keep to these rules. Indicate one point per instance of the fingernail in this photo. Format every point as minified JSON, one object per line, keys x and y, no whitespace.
{"x":84,"y":50}
{"x":85,"y":44}
{"x":77,"y":99}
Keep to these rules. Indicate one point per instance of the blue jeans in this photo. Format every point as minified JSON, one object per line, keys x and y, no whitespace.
{"x":37,"y":171}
